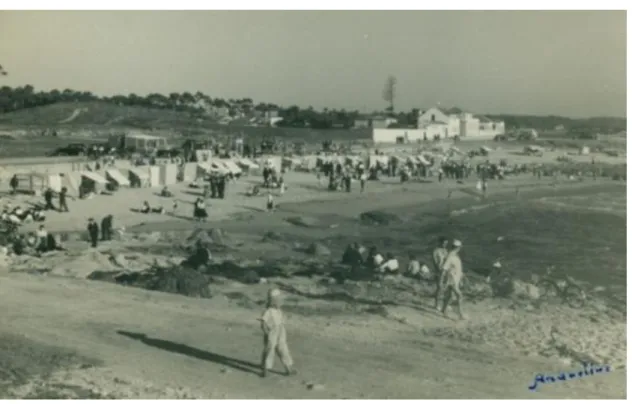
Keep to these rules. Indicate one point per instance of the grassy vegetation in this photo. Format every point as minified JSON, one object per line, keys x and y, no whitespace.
{"x":96,"y":115}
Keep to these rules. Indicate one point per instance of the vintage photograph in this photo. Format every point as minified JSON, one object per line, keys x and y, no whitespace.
{"x":313,"y":204}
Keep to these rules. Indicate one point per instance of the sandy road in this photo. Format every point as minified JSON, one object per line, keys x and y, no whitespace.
{"x":189,"y":342}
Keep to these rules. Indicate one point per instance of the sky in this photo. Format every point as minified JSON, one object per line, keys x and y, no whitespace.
{"x":569,"y":63}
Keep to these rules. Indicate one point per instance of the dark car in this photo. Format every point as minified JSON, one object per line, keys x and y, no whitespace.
{"x":73,"y":149}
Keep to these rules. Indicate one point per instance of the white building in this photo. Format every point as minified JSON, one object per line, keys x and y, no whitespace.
{"x":454,"y":122}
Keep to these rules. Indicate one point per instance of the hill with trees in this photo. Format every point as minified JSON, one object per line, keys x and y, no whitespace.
{"x":26,"y":106}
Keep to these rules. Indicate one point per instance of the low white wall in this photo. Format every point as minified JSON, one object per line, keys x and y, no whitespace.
{"x":391,"y":135}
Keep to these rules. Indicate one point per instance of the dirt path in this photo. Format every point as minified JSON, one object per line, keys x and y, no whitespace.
{"x":203,"y":344}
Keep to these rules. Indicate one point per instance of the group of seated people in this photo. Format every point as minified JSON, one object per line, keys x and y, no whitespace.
{"x":380,"y":264}
{"x":36,"y":242}
{"x":18,"y":215}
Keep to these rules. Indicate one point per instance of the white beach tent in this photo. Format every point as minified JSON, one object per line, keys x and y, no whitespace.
{"x":232,"y":167}
{"x":247,"y":163}
{"x":219,"y":167}
{"x":116,"y":176}
{"x":139,"y":177}
{"x":92,"y":182}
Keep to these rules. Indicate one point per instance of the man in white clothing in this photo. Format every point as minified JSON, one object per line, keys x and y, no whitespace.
{"x":390,"y":266}
{"x":451,"y":276}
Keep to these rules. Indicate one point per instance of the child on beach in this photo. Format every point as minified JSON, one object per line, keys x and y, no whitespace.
{"x":270,"y":202}
{"x":274,"y":336}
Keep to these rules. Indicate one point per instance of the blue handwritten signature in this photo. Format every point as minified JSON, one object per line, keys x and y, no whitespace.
{"x":588,"y":370}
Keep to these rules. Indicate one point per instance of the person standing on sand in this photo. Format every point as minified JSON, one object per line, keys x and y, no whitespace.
{"x":63,"y":205}
{"x":270,"y":202}
{"x":93,"y":231}
{"x":106,"y":228}
{"x":274,"y":335}
{"x":452,"y":276}
{"x":438,"y":257}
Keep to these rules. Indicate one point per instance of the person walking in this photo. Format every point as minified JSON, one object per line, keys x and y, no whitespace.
{"x":452,"y":276}
{"x":106,"y":228}
{"x":274,"y":335}
{"x":48,"y":199}
{"x":63,"y":205}
{"x":438,"y":257}
{"x":93,"y":231}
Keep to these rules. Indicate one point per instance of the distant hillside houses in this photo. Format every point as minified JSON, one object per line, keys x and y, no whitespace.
{"x":448,"y":123}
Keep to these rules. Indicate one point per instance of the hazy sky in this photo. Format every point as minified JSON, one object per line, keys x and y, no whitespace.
{"x":569,"y":63}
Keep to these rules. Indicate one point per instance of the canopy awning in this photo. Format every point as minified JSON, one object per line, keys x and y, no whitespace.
{"x":117,"y":176}
{"x":91,"y":175}
{"x":140,"y":174}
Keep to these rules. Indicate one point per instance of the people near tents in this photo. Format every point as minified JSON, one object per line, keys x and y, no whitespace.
{"x":42,"y":239}
{"x":281,"y":185}
{"x":93,"y":232}
{"x":48,"y":199}
{"x":254,"y":190}
{"x":270,"y":202}
{"x":145,"y":208}
{"x":14,"y":183}
{"x":199,"y":210}
{"x":221,"y":186}
{"x":63,"y":204}
{"x":159,"y":210}
{"x":38,"y":214}
{"x":166,"y":193}
{"x":106,"y":228}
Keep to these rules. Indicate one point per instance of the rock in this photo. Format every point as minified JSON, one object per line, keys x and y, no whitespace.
{"x":263,"y":281}
{"x":517,"y":289}
{"x":318,"y":249}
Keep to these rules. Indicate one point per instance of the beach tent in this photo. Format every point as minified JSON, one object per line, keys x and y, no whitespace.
{"x":139,"y":177}
{"x":374,"y":160}
{"x":422,"y":159}
{"x":33,"y":182}
{"x":189,"y":171}
{"x":114,"y":175}
{"x":219,"y":167}
{"x":92,"y":182}
{"x":72,"y":182}
{"x":168,"y":174}
{"x":232,"y":167}
{"x":247,"y":164}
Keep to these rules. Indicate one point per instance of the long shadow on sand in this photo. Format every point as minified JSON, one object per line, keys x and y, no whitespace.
{"x":183,"y":349}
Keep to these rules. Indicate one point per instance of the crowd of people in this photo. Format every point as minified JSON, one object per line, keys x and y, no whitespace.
{"x":446,"y":272}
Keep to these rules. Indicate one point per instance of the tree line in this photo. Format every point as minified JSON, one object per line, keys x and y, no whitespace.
{"x":18,"y":98}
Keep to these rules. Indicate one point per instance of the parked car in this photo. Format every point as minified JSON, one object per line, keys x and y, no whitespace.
{"x":73,"y":149}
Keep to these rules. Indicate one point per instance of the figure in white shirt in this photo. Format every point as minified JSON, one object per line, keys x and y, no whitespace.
{"x":390,"y":266}
{"x":274,"y":335}
{"x":451,"y":276}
